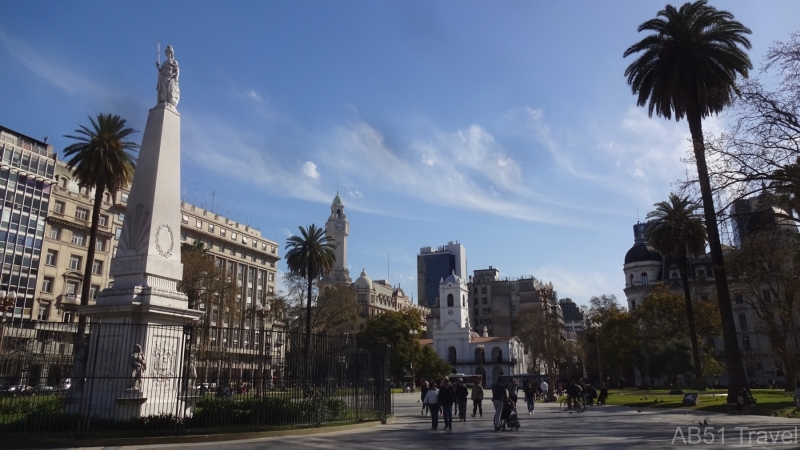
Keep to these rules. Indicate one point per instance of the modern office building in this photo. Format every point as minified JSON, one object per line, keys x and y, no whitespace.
{"x":573,"y":317}
{"x":27,"y":168}
{"x":436,"y":264}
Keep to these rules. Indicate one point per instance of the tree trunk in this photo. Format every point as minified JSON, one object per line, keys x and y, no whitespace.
{"x":700,"y":382}
{"x":307,"y":347}
{"x":736,"y":375}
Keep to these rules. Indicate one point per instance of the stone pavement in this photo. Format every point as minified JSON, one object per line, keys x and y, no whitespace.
{"x":603,"y":427}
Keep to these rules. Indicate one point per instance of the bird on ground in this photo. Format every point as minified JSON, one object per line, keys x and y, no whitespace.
{"x":705,"y":422}
{"x":700,"y":423}
{"x":638,"y":410}
{"x":570,"y":412}
{"x":645,"y":398}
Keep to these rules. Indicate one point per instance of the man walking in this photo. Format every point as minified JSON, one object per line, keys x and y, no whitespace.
{"x":462,"y":393}
{"x":477,"y":397}
{"x":545,"y":392}
{"x":447,"y":396}
{"x":499,"y":396}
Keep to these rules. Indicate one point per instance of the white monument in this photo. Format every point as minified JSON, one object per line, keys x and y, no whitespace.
{"x":136,"y":353}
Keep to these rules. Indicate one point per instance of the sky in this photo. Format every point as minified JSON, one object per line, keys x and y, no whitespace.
{"x":507,"y":126}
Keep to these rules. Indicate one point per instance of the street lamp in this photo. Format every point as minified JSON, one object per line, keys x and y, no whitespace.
{"x":597,"y":326}
{"x":413,"y":334}
{"x":261,"y":312}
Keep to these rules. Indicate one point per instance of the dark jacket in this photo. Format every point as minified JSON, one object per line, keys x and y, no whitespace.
{"x":498,"y":391}
{"x":462,"y":393}
{"x":447,"y":396}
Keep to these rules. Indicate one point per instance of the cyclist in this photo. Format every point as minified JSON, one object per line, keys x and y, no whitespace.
{"x":574,"y":393}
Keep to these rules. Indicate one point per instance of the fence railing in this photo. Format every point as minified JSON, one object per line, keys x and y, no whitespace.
{"x":183,"y":379}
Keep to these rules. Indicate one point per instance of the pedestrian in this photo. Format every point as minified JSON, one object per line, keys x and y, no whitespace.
{"x":424,"y":390}
{"x":601,"y":400}
{"x":432,"y":401}
{"x":462,"y":393}
{"x":513,"y":389}
{"x":530,"y":397}
{"x":545,"y":393}
{"x":447,"y":397}
{"x":477,"y":398}
{"x":499,"y":396}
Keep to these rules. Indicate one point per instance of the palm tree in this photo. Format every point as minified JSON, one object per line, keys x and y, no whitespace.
{"x":688,"y":67}
{"x":101,"y":159}
{"x":310,"y":255}
{"x":676,"y":230}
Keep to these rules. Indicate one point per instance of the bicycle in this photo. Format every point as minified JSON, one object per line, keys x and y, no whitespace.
{"x":579,"y":404}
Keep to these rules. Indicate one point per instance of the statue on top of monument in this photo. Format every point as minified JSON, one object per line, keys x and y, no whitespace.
{"x":168,"y":73}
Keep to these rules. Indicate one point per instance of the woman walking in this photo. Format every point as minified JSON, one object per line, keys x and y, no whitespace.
{"x":530,"y":396}
{"x":432,"y":400}
{"x":512,"y":392}
{"x":424,"y":389}
{"x":477,"y":397}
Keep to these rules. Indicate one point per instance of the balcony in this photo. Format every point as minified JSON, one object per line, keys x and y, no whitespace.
{"x":69,"y":299}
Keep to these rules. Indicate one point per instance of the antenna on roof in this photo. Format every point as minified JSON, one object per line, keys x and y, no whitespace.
{"x":637,"y":214}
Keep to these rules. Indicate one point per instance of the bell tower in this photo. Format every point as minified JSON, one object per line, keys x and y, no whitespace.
{"x":338,"y":228}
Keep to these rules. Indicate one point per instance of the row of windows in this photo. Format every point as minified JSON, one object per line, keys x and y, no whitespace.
{"x":234,"y":251}
{"x":75,"y":262}
{"x":78,"y":238}
{"x":59,"y":207}
{"x":224,"y":232}
{"x":42,"y":166}
{"x":63,"y":182}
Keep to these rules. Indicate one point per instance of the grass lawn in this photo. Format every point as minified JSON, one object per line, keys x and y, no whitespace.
{"x":769,"y":402}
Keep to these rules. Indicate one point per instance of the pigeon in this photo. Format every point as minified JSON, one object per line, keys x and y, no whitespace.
{"x":645,"y":398}
{"x":705,"y":422}
{"x":570,"y":412}
{"x":700,"y":423}
{"x":638,"y":410}
{"x":641,"y":398}
{"x":685,"y":413}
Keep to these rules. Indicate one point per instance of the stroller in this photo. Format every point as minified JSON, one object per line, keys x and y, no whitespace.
{"x":508,"y":418}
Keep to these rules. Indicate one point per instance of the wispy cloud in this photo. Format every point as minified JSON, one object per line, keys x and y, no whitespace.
{"x":310,"y":170}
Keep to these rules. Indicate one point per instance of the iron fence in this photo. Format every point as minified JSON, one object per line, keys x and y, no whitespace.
{"x":183,"y":379}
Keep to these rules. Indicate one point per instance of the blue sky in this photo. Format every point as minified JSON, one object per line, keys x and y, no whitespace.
{"x":507,"y":126}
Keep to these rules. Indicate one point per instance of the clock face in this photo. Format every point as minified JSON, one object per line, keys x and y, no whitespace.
{"x":340,"y":226}
{"x":450,"y":312}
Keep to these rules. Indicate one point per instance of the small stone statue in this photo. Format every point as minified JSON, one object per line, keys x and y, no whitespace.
{"x":138,"y":365}
{"x":191,"y":373}
{"x":168,"y":73}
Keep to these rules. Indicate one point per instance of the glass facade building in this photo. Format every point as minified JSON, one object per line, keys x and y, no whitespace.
{"x":431,"y":268}
{"x":27,"y":168}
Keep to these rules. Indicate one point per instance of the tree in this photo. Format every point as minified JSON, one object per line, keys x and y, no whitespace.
{"x":392,"y":327}
{"x":102,"y":160}
{"x":430,"y":366}
{"x":310,"y":255}
{"x":677,"y":231}
{"x":620,"y":345}
{"x":768,"y":267}
{"x":541,"y":333}
{"x":334,"y":309}
{"x":688,"y":68}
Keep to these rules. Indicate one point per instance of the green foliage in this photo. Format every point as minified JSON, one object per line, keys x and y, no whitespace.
{"x":392,"y":327}
{"x":431,"y":366}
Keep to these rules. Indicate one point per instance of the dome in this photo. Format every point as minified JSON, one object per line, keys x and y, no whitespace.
{"x":337,"y":200}
{"x":363,"y":282}
{"x":453,"y":278}
{"x":641,"y":252}
{"x":770,"y":218}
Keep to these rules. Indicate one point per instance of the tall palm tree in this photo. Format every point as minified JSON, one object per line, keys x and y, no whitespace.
{"x":101,"y":159}
{"x":310,"y":255}
{"x":688,"y":68}
{"x":677,"y":230}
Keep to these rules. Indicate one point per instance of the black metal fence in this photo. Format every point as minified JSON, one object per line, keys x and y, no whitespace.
{"x":183,"y":379}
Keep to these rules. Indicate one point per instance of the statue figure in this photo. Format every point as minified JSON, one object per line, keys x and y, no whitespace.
{"x":191,"y":373}
{"x":138,"y":365}
{"x":168,"y":73}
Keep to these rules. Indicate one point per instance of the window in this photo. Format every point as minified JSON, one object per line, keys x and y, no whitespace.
{"x":44,"y":312}
{"x":222,"y":232}
{"x":451,"y":355}
{"x":449,"y":299}
{"x":633,"y":304}
{"x":103,"y":220}
{"x":100,"y":244}
{"x":62,"y":181}
{"x":255,"y":243}
{"x":674,"y":277}
{"x":183,"y":235}
{"x":271,"y":276}
{"x":97,"y":267}
{"x":106,"y":198}
{"x":244,"y":240}
{"x":738,"y":299}
{"x":270,"y":289}
{"x":767,"y":296}
{"x":78,"y":238}
{"x":68,"y":316}
{"x":72,"y":287}
{"x":210,"y":228}
{"x":55,"y":233}
{"x":742,"y":322}
{"x":476,"y":289}
{"x":483,"y":289}
{"x":58,"y":207}
{"x":93,"y":290}
{"x":81,"y":214}
{"x":47,"y":285}
{"x":124,"y":198}
{"x":199,"y":223}
{"x":121,"y":216}
{"x":117,"y":233}
{"x":745,"y":343}
{"x":233,"y":235}
{"x":631,"y":280}
{"x":52,"y":258}
{"x":484,"y":300}
{"x":184,"y":219}
{"x":114,"y":252}
{"x":644,"y":279}
{"x":75,"y":262}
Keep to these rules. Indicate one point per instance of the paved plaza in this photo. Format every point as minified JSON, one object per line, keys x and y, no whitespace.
{"x":603,"y":427}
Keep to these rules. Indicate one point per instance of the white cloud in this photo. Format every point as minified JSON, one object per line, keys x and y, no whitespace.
{"x":310,"y":170}
{"x":254,"y":95}
{"x":286,"y":232}
{"x":355,"y":194}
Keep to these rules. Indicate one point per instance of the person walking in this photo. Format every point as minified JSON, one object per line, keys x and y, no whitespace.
{"x":477,"y":398}
{"x":545,"y":393}
{"x":513,"y":389}
{"x":530,"y":397}
{"x":499,"y":396}
{"x":432,"y":401}
{"x":447,"y":396}
{"x":424,"y":388}
{"x":462,"y":393}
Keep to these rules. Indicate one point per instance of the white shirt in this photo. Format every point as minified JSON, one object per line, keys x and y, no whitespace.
{"x":544,"y":386}
{"x":432,"y":397}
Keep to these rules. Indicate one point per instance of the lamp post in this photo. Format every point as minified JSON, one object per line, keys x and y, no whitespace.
{"x":261,"y":312}
{"x":413,"y":334}
{"x":597,"y":326}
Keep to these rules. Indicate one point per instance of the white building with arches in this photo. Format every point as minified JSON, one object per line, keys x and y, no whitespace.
{"x":467,"y":351}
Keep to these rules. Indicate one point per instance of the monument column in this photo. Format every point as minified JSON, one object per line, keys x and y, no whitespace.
{"x":136,"y":352}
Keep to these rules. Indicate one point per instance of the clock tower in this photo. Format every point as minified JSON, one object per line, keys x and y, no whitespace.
{"x":338,"y":228}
